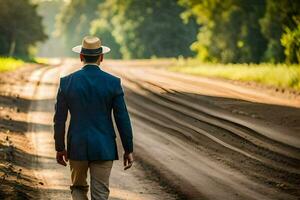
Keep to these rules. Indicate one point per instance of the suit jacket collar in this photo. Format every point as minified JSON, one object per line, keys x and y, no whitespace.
{"x":91,"y":66}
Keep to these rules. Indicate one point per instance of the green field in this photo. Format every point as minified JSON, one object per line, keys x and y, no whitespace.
{"x":7,"y":64}
{"x":281,"y":75}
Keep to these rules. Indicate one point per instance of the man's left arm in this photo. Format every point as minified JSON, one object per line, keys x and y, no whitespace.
{"x":60,"y":117}
{"x":123,"y":123}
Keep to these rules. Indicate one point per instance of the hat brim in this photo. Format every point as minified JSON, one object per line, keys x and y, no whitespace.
{"x":78,"y":48}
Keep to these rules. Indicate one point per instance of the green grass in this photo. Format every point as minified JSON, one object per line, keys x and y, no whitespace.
{"x":8,"y":64}
{"x":40,"y":60}
{"x":286,"y":76}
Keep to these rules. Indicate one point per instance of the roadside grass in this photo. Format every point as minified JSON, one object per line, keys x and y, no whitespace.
{"x":281,"y":75}
{"x":41,"y":60}
{"x":8,"y":64}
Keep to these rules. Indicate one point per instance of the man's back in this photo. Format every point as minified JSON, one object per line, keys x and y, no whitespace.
{"x":90,"y":95}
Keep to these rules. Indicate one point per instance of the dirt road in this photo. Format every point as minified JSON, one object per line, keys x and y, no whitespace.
{"x":213,"y":139}
{"x":195,"y":138}
{"x":130,"y":184}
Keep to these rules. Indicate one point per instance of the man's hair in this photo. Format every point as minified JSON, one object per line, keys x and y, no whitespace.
{"x":90,"y":59}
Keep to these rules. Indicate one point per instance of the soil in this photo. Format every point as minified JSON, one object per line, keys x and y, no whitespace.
{"x":17,"y":179}
{"x":248,"y":135}
{"x":195,"y":137}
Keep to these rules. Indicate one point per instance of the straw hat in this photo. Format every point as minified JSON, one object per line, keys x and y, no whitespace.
{"x":91,"y":46}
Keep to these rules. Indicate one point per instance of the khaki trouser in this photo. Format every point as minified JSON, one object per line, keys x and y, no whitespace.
{"x":99,"y":171}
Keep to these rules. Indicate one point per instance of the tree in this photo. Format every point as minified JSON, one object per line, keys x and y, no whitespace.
{"x":133,"y":28}
{"x":147,"y":28}
{"x":290,"y":40}
{"x":74,"y":21}
{"x":103,"y":29}
{"x":20,"y":27}
{"x":279,"y":18}
{"x":229,"y":29}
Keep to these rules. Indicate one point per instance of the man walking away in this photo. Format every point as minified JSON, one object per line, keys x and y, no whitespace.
{"x":91,"y":95}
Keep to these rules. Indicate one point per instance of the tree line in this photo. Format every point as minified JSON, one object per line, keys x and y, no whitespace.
{"x":20,"y":27}
{"x":227,"y":31}
{"x":246,"y":31}
{"x":133,"y":28}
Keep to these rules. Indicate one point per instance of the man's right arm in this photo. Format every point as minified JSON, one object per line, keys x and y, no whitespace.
{"x":60,"y":117}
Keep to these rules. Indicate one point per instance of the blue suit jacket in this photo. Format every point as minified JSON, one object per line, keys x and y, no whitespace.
{"x":91,"y":95}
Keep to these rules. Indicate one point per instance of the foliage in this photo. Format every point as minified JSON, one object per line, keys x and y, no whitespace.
{"x":240,"y":31}
{"x":227,"y":31}
{"x":291,"y":41}
{"x":147,"y":28}
{"x":20,"y":27}
{"x":75,"y":19}
{"x":103,"y":29}
{"x":279,"y":17}
{"x":285,"y":76}
{"x":7,"y":64}
{"x":133,"y":28}
{"x":230,"y":31}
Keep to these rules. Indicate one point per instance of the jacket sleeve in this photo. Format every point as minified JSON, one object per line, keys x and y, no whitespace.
{"x":122,"y":119}
{"x":60,"y":117}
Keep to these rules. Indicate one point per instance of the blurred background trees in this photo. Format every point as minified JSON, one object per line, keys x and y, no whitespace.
{"x":245,"y":31}
{"x":147,"y":28}
{"x":20,"y":27}
{"x":54,"y":45}
{"x":133,"y":28}
{"x":227,"y":31}
{"x":279,"y":24}
{"x":74,"y":21}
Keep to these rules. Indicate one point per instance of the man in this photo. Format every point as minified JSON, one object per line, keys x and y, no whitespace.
{"x":91,"y":95}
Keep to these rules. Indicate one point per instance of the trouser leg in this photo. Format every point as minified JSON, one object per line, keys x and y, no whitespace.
{"x":79,"y":187}
{"x":100,"y":173}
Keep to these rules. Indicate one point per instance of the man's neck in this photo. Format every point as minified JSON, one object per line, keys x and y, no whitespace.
{"x":91,"y":64}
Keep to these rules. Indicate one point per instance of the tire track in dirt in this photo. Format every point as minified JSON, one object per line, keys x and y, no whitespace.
{"x":264,"y":154}
{"x":189,"y":89}
{"x":55,"y":180}
{"x":240,"y":131}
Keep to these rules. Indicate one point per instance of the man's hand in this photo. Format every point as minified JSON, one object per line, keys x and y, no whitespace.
{"x":62,"y":157}
{"x":128,"y":160}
